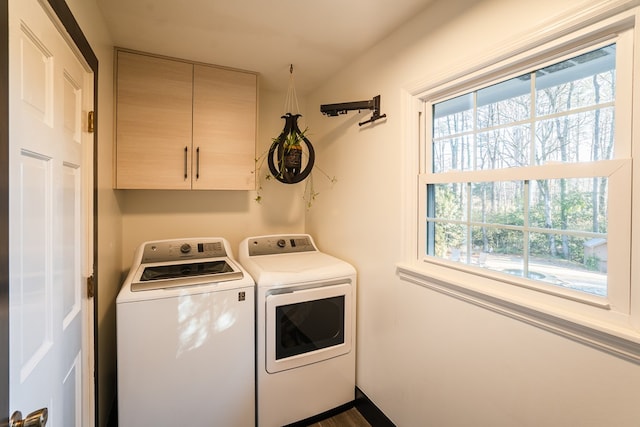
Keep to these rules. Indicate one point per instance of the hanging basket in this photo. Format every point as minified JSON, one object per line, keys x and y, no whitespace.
{"x":285,"y":154}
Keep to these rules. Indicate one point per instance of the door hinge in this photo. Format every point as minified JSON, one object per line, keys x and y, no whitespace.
{"x":90,"y":286}
{"x":90,"y":122}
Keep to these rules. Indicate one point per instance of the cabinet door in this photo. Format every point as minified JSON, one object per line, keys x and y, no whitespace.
{"x":224,"y":129}
{"x":153,"y":122}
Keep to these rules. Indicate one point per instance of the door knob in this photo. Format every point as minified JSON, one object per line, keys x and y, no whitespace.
{"x":35,"y":419}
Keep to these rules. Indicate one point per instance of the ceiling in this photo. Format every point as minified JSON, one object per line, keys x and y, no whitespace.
{"x":267,"y":36}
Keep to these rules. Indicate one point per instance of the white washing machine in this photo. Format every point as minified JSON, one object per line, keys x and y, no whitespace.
{"x":186,"y":337}
{"x":306,"y":323}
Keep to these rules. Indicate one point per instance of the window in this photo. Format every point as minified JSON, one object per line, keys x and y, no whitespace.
{"x":526,"y":181}
{"x":535,"y":220}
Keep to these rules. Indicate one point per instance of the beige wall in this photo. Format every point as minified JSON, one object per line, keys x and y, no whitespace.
{"x":425,"y":358}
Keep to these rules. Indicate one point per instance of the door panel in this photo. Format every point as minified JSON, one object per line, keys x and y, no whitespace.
{"x":31,"y":303}
{"x":71,"y":297}
{"x":47,"y":157}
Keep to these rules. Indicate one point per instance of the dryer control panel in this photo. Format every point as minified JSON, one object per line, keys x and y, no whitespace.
{"x":281,"y":244}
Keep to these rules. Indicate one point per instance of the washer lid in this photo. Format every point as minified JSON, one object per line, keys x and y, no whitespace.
{"x":172,"y":263}
{"x":270,"y":270}
{"x":161,"y":275}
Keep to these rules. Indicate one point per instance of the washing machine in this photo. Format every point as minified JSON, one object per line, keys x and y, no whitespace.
{"x":305,"y":327}
{"x":186,"y":337}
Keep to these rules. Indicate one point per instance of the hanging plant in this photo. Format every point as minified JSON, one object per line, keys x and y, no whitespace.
{"x":287,"y":151}
{"x":291,"y":157}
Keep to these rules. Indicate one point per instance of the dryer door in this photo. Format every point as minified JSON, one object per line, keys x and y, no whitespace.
{"x":308,"y":325}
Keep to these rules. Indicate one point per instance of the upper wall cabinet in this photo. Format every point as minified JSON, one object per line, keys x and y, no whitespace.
{"x":181,"y":125}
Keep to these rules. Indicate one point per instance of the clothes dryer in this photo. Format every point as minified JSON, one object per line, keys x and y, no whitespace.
{"x":306,"y":323}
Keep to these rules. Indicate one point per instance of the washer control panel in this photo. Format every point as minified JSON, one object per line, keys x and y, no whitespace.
{"x":170,"y":250}
{"x":281,"y":244}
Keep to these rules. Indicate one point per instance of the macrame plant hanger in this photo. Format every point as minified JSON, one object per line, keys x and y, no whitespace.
{"x":285,"y":154}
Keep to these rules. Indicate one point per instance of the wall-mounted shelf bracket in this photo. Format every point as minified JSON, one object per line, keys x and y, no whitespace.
{"x":333,"y":110}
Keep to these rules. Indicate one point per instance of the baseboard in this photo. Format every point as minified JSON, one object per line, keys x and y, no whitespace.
{"x":362,"y":403}
{"x":370,"y":411}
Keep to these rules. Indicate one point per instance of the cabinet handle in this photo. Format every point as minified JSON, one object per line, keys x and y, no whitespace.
{"x":198,"y":163}
{"x":185,"y":162}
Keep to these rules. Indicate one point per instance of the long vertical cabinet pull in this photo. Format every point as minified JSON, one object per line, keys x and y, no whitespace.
{"x":186,"y":151}
{"x":197,"y":163}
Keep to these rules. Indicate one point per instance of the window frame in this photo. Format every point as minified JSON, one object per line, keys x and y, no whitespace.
{"x":611,"y":324}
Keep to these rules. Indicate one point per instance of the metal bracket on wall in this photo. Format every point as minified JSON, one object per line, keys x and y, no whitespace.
{"x":333,"y":110}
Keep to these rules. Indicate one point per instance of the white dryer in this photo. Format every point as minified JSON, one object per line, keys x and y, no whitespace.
{"x":186,"y":337}
{"x":306,"y":323}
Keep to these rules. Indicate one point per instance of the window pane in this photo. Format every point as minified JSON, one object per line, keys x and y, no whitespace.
{"x":572,"y":262}
{"x":583,"y":81}
{"x":581,"y":137}
{"x":501,"y":242}
{"x":504,"y":103}
{"x":452,"y":154}
{"x":453,"y":116}
{"x":449,"y":200}
{"x":578,"y":204}
{"x":449,"y":240}
{"x":503,"y":148}
{"x":498,"y":202}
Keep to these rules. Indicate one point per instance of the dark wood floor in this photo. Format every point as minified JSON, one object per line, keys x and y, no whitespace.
{"x":349,"y":418}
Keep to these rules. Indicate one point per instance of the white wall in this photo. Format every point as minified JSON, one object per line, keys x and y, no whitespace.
{"x":425,"y":358}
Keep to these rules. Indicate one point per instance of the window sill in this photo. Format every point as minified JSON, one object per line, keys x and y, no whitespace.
{"x":618,"y":339}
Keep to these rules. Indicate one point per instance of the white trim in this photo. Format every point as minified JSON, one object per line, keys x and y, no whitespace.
{"x":635,"y":202}
{"x":411,"y":152}
{"x":549,"y":171}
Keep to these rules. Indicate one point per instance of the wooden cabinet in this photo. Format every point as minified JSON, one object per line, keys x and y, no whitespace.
{"x":224,"y":128}
{"x":154,"y":102}
{"x":181,"y":125}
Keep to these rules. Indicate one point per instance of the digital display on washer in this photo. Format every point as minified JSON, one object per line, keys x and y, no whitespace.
{"x":176,"y":271}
